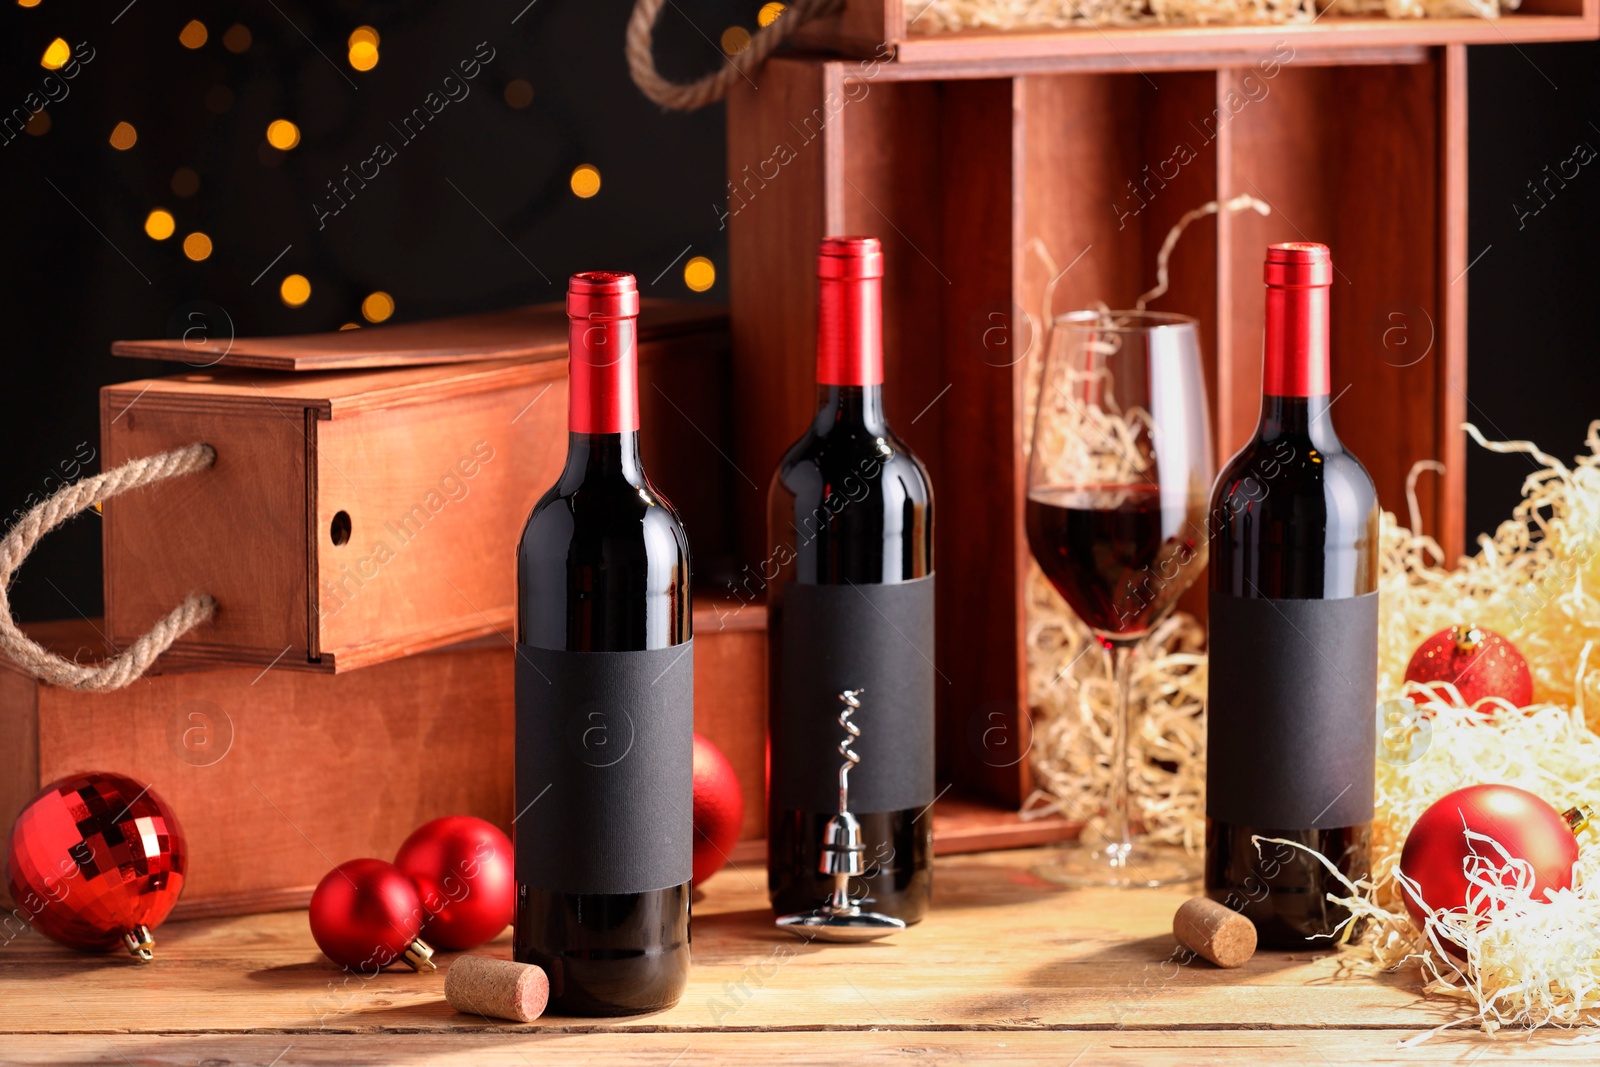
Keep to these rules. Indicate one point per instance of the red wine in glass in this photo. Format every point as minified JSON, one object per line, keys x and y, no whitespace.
{"x":1114,"y":552}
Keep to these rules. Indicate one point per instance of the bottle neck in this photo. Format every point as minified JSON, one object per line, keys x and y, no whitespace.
{"x":603,"y":376}
{"x":1295,"y":345}
{"x":849,"y":332}
{"x":603,"y":455}
{"x":854,"y":406}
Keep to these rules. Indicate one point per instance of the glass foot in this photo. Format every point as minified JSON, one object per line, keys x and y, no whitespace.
{"x":1115,"y":864}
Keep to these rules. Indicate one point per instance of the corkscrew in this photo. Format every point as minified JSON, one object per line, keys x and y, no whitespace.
{"x":839,"y":918}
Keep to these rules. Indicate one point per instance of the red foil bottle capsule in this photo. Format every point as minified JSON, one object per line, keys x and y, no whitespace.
{"x":850,"y":311}
{"x":1295,"y":347}
{"x":602,"y":338}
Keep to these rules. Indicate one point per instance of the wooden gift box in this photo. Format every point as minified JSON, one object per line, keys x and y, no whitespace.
{"x":966,"y":167}
{"x":882,"y":27}
{"x":357,"y":515}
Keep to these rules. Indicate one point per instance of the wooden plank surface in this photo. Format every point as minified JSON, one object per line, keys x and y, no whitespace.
{"x":1046,"y":973}
{"x":535,"y":332}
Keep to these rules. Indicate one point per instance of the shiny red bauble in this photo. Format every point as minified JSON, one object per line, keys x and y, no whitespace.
{"x":365,"y":915}
{"x":466,"y":876}
{"x":1438,"y":855}
{"x":96,"y":859}
{"x":1479,"y":663}
{"x":718,"y":809}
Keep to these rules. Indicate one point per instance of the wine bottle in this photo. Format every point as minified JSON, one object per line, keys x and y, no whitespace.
{"x":850,"y":517}
{"x":604,"y":695}
{"x":1293,"y":635}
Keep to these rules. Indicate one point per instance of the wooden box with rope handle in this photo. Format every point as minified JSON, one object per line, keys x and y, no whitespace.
{"x":343,"y":499}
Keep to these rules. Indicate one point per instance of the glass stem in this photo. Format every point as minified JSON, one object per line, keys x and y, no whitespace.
{"x":1118,"y":840}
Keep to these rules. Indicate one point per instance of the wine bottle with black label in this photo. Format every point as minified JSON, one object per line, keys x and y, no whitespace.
{"x":604,"y":695}
{"x":1293,"y":635}
{"x":850,"y":595}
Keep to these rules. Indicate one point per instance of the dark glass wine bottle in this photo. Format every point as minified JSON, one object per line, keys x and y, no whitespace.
{"x":1293,"y":635}
{"x":604,"y":696}
{"x":850,"y":514}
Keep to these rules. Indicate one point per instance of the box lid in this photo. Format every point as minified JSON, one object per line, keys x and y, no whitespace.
{"x":536,"y":332}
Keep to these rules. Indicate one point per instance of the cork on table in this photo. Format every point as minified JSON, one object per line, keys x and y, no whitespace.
{"x":1007,"y":969}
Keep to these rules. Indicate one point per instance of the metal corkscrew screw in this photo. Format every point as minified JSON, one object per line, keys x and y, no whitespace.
{"x":839,"y":918}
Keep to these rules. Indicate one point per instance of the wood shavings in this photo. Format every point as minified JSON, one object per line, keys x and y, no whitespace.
{"x":944,"y":16}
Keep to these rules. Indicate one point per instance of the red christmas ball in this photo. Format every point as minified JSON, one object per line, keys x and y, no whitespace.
{"x":365,"y":914}
{"x":718,"y":809}
{"x":1439,"y":856}
{"x":1480,"y":663}
{"x":95,"y":859}
{"x":465,"y":876}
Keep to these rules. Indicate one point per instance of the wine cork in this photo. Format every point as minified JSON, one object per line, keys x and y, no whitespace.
{"x":1215,"y":931}
{"x":482,"y":985}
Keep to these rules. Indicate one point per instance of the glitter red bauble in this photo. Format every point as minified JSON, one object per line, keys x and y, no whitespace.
{"x":1438,"y":855}
{"x":718,"y":809}
{"x":92,"y":859}
{"x":466,"y":877}
{"x":1480,"y":663}
{"x":365,"y":915}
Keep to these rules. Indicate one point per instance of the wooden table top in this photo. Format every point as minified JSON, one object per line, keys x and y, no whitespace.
{"x":1007,"y":969}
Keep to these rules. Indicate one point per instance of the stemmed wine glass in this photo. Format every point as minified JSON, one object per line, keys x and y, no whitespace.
{"x":1118,"y":483}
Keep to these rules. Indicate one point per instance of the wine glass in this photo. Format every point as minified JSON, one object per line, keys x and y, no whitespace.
{"x":1118,"y":483}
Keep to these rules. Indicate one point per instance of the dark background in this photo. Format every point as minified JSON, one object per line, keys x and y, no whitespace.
{"x":68,"y":290}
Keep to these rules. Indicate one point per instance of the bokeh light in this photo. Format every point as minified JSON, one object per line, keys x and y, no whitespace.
{"x":735,"y":39}
{"x":769,"y":14}
{"x":699,"y":274}
{"x":363,"y":56}
{"x":27,"y":3}
{"x":56,"y":54}
{"x":237,"y":39}
{"x":518,"y":93}
{"x":194,"y":34}
{"x":124,"y":136}
{"x":197,"y":246}
{"x":185,"y":181}
{"x":363,"y":35}
{"x":377,"y":306}
{"x":295,"y":290}
{"x":283,"y":134}
{"x":39,"y":124}
{"x":585,"y":180}
{"x":159,"y":224}
{"x":350,"y":326}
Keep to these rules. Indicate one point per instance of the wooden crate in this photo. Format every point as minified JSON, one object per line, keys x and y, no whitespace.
{"x":354,"y":516}
{"x":882,"y":27}
{"x":959,"y":167}
{"x":278,"y":775}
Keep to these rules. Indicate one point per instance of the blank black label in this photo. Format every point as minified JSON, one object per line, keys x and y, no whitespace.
{"x":1292,"y":711}
{"x":605,"y":769}
{"x":877,"y":638}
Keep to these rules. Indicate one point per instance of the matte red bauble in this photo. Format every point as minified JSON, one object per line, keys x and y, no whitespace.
{"x":466,"y":877}
{"x":1438,"y":855}
{"x":718,"y":809}
{"x":365,"y":914}
{"x":1480,"y":663}
{"x":96,"y":859}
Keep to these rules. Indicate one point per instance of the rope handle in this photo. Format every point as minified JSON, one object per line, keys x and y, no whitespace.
{"x":714,"y":86}
{"x":127,"y":666}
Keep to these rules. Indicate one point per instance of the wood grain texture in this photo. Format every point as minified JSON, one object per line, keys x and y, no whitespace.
{"x":531,"y":333}
{"x":1006,"y":968}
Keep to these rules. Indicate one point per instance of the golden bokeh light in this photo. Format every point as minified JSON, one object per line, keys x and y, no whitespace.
{"x":363,"y":35}
{"x":377,"y":306}
{"x":769,"y":13}
{"x":350,"y":326}
{"x":283,"y":134}
{"x":39,"y":125}
{"x":735,"y":39}
{"x":159,"y":224}
{"x":363,"y":56}
{"x":197,"y":246}
{"x":124,"y":136}
{"x":237,"y":39}
{"x":518,"y":93}
{"x":193,"y":35}
{"x":699,"y":274}
{"x":56,"y":54}
{"x":295,"y":290}
{"x":585,"y":180}
{"x":27,"y":3}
